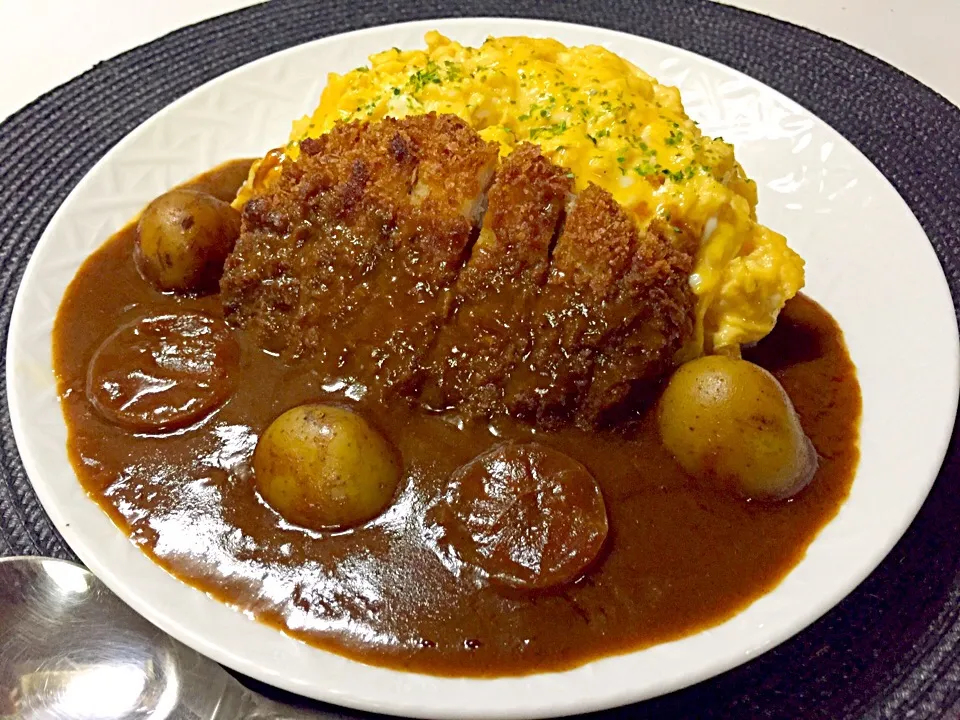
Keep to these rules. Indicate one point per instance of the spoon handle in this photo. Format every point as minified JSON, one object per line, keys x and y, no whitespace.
{"x":211,"y":693}
{"x":241,"y":703}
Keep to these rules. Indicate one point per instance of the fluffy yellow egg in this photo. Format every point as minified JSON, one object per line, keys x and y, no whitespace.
{"x":610,"y":124}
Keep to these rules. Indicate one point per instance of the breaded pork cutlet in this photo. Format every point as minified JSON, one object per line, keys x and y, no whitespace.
{"x":400,"y":257}
{"x":384,"y":210}
{"x":616,"y":309}
{"x":323,"y":227}
{"x":393,"y":316}
{"x":486,"y":335}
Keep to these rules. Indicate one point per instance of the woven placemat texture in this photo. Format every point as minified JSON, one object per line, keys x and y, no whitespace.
{"x":892,"y":648}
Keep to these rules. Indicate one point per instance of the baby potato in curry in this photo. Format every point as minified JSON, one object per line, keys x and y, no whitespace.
{"x":730,"y":421}
{"x":183,"y":239}
{"x":323,"y":466}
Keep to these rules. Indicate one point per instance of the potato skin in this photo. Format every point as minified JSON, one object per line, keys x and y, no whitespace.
{"x":183,"y":239}
{"x":730,"y":422}
{"x":324,"y":466}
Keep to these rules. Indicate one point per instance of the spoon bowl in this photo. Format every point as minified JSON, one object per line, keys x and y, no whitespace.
{"x":72,"y":650}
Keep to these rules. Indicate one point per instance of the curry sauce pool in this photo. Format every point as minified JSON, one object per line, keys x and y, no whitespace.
{"x":679,"y":557}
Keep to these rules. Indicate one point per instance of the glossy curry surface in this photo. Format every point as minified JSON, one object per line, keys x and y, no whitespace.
{"x":679,"y":556}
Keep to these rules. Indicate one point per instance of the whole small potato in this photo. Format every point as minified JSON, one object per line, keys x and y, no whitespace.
{"x":323,"y":466}
{"x":729,"y":421}
{"x":183,"y":239}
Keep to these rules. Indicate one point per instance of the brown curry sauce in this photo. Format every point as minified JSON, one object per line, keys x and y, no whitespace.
{"x":679,"y":556}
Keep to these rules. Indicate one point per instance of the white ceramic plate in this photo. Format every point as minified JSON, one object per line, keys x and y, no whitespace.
{"x":868,"y":262}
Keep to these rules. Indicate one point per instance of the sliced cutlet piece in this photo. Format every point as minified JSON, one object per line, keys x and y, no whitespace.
{"x":615,"y":311}
{"x":489,"y":332}
{"x":649,"y":320}
{"x":395,"y":313}
{"x":309,"y":239}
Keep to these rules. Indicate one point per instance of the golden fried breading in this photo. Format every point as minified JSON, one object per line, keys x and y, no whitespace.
{"x":315,"y":235}
{"x":494,"y":295}
{"x":311,"y":248}
{"x":395,"y":314}
{"x":616,"y":310}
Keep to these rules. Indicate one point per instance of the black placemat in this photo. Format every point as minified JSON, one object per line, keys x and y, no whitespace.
{"x":892,"y":648}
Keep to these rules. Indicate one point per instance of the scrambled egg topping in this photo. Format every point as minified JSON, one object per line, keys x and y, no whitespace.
{"x":609,"y":123}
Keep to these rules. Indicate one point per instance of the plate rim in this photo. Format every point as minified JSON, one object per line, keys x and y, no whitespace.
{"x":88,"y":555}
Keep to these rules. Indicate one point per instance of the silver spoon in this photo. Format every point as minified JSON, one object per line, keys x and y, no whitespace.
{"x":72,"y":650}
